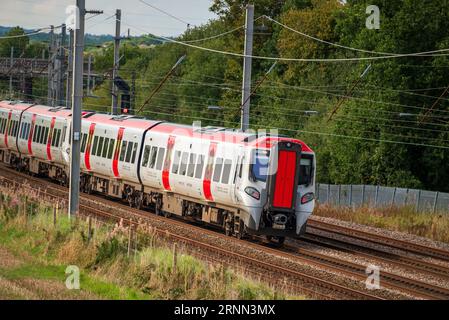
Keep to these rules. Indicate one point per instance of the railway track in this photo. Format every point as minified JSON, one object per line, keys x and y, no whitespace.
{"x":271,"y":273}
{"x":378,"y":239}
{"x":389,"y":280}
{"x":382,"y":256}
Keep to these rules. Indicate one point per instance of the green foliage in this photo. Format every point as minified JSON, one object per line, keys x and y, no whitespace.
{"x":19,"y":44}
{"x":357,"y":145}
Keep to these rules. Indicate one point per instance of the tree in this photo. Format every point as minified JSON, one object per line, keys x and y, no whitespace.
{"x":19,"y":44}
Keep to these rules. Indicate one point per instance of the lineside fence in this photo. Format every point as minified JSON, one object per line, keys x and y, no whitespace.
{"x":377,"y":197}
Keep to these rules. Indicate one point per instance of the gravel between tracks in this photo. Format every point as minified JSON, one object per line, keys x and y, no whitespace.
{"x":384,"y":232}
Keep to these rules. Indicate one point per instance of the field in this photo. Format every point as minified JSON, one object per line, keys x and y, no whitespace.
{"x":37,"y":244}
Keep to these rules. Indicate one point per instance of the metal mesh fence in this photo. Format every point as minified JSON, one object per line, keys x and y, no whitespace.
{"x":377,"y":196}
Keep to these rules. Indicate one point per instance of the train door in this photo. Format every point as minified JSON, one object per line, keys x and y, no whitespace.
{"x":238,"y":174}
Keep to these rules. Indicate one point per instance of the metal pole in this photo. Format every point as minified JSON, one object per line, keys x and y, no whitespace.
{"x":77,"y":102}
{"x":89,"y":74}
{"x":50,"y":67}
{"x":62,"y":67}
{"x":11,"y":64}
{"x":133,"y":93}
{"x":247,"y":61}
{"x":69,"y":72}
{"x":118,"y":17}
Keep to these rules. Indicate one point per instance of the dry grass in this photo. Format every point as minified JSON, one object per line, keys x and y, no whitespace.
{"x":107,"y":271}
{"x":403,"y":219}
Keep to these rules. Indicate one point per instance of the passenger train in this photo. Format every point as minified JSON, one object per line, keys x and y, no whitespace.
{"x":242,"y":182}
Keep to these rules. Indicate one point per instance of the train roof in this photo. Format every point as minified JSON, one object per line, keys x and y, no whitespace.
{"x":15,"y":105}
{"x":125,"y":121}
{"x":219,"y":134}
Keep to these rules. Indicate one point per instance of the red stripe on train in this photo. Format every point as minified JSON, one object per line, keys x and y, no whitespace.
{"x":89,"y":143}
{"x":117,"y":152}
{"x":285,"y":179}
{"x":167,"y":163}
{"x":30,"y":136}
{"x":208,"y":174}
{"x":50,"y":136}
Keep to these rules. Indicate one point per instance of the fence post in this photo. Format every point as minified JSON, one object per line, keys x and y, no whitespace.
{"x":350,"y":195}
{"x":175,"y":257}
{"x":363,"y":195}
{"x":435,"y":202}
{"x":377,"y":196}
{"x":54,"y":214}
{"x":394,"y":196}
{"x":419,"y":198}
{"x":89,"y":228}
{"x":328,"y":193}
{"x":318,"y":191}
{"x":339,"y":191}
{"x":129,"y":238}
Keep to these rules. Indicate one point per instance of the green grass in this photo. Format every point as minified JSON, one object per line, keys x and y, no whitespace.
{"x":107,"y":272}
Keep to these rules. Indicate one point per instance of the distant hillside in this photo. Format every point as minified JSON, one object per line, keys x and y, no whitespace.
{"x":90,"y":39}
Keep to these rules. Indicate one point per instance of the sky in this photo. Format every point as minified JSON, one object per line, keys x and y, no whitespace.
{"x":136,"y":16}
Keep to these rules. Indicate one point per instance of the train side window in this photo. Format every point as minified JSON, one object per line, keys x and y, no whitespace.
{"x":133,"y":158}
{"x":199,"y":167}
{"x":176,"y":162}
{"x":16,"y":131}
{"x":1,"y":125}
{"x":153,"y":157}
{"x":46,"y":135}
{"x":58,"y":139}
{"x":11,"y":128}
{"x":22,"y":131}
{"x":129,"y":151}
{"x":100,"y":146}
{"x":191,"y":168}
{"x":111,"y":148}
{"x":218,"y":168}
{"x":83,"y":142}
{"x":123,"y":150}
{"x":160,"y":158}
{"x":226,"y":171}
{"x":35,"y":133}
{"x":94,"y":147}
{"x":39,"y":135}
{"x":53,"y":138}
{"x":105,"y":148}
{"x":184,"y":162}
{"x":64,"y":130}
{"x":146,"y":155}
{"x":28,"y":130}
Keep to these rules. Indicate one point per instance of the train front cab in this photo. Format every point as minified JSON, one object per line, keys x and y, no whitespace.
{"x":285,"y":177}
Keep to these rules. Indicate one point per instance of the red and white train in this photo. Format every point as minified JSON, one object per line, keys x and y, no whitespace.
{"x":243,"y":182}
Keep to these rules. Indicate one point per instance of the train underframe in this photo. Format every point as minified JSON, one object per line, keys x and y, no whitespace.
{"x":137,"y":196}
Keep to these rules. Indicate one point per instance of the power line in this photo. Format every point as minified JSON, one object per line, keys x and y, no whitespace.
{"x":417,"y":54}
{"x":346,"y":47}
{"x":166,"y":13}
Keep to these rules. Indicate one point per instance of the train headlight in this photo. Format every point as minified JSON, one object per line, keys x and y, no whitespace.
{"x":307,"y":197}
{"x":253,"y":192}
